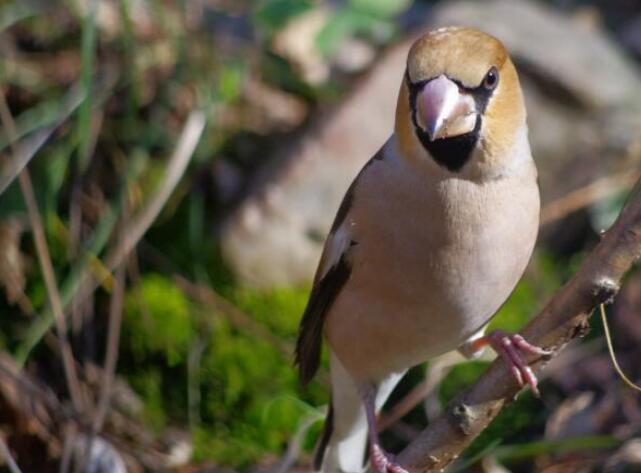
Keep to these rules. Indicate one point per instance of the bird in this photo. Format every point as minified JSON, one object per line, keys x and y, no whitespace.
{"x":429,"y":241}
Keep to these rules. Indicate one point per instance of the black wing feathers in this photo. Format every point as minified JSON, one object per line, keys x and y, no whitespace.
{"x":310,"y":334}
{"x":324,"y":292}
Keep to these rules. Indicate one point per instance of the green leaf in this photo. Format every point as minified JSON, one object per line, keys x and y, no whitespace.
{"x":556,"y":446}
{"x":158,"y":319}
{"x":381,"y":8}
{"x":12,"y":13}
{"x":347,"y":22}
{"x":230,"y":82}
{"x":273,"y":15}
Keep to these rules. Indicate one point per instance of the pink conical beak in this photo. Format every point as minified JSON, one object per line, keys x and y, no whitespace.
{"x":444,"y":111}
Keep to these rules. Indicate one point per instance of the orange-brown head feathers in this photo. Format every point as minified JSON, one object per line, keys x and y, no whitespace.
{"x":460,"y":101}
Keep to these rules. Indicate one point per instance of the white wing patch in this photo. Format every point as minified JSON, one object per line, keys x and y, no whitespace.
{"x":336,"y":246}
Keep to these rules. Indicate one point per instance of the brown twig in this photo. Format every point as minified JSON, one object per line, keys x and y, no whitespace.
{"x":563,"y":319}
{"x":46,"y":266}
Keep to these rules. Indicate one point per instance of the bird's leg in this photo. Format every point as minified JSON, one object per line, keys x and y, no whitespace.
{"x":382,"y":461}
{"x":512,"y":348}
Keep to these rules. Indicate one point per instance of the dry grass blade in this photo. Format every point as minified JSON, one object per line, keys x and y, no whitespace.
{"x":87,"y":280}
{"x":608,"y":338}
{"x":111,"y":357}
{"x":46,"y":266}
{"x":134,"y":231}
{"x":27,"y":148}
{"x":294,"y":447}
{"x":177,"y":165}
{"x":11,"y":463}
{"x":586,"y":195}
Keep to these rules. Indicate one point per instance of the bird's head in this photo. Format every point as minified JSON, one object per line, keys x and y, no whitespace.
{"x":460,"y":101}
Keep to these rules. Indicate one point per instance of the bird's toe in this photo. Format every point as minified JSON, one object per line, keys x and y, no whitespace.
{"x":384,"y":462}
{"x":513,"y":348}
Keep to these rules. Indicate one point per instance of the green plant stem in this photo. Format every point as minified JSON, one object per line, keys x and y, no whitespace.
{"x":88,"y":52}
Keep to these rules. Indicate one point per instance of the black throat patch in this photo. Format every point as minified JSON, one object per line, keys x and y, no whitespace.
{"x":452,"y":153}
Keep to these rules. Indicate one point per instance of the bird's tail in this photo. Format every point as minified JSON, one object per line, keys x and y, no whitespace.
{"x":343,"y":443}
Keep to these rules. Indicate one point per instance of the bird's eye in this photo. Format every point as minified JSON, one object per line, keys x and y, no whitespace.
{"x":491,"y":79}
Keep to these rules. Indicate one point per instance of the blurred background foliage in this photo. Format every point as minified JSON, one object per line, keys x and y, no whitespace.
{"x":101,"y":92}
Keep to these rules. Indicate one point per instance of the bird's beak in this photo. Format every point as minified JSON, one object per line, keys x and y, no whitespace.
{"x":443,"y":110}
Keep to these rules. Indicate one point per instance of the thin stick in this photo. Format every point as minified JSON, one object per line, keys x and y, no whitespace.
{"x":113,"y":341}
{"x":67,"y":448}
{"x":11,"y":463}
{"x":608,"y":339}
{"x":46,"y":266}
{"x":111,"y":358}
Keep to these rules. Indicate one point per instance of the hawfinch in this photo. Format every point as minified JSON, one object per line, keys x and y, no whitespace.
{"x":429,"y":241}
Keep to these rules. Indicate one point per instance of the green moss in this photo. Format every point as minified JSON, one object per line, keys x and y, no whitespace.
{"x":250,"y":395}
{"x":517,"y":310}
{"x":279,"y":309}
{"x":530,"y":295}
{"x":148,"y":385}
{"x":251,"y":388}
{"x":158,"y":320}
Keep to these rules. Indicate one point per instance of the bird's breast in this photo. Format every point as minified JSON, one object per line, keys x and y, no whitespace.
{"x":434,"y":261}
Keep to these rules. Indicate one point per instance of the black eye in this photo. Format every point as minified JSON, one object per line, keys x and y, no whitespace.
{"x":491,"y":79}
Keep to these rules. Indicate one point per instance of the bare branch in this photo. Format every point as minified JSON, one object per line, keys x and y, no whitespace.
{"x":564,"y":318}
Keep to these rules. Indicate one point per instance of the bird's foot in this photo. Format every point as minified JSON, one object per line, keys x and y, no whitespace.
{"x":383,"y":462}
{"x":512,"y":348}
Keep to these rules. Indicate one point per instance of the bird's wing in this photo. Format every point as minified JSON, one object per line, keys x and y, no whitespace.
{"x":333,"y":272}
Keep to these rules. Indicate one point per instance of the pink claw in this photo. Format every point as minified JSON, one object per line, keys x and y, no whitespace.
{"x":383,"y":462}
{"x":512,"y":347}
